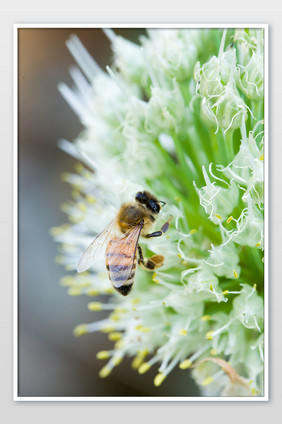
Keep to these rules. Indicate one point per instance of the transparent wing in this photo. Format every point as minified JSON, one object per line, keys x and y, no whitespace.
{"x":99,"y":242}
{"x":121,"y":257}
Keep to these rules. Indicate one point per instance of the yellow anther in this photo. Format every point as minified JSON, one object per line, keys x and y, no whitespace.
{"x":205,"y":318}
{"x":193,"y":231}
{"x":67,"y":281}
{"x":225,"y":292}
{"x":90,"y":199}
{"x":75,"y":193}
{"x":178,"y":254}
{"x":114,"y":317}
{"x":229,"y":219}
{"x":258,"y":244}
{"x":74,"y":291}
{"x":154,"y":278}
{"x":65,"y":176}
{"x":209,"y":335}
{"x":95,"y":306}
{"x":235,"y":274}
{"x":56,"y":231}
{"x":115,"y":336}
{"x":138,"y":327}
{"x":117,"y":360}
{"x":78,"y":167}
{"x":211,"y":287}
{"x":80,"y":329}
{"x":105,"y":371}
{"x":143,"y":352}
{"x":109,"y":290}
{"x":255,"y":286}
{"x":59,"y":259}
{"x":107,"y":329}
{"x":262,"y":157}
{"x":145,"y":330}
{"x":93,"y":293}
{"x":207,"y":381}
{"x":119,"y":344}
{"x":159,"y":379}
{"x":217,"y":216}
{"x":137,"y":361}
{"x":254,"y":392}
{"x":81,"y":206}
{"x":103,"y":354}
{"x":183,"y":332}
{"x":144,"y":368}
{"x":213,"y":352}
{"x":185,"y":364}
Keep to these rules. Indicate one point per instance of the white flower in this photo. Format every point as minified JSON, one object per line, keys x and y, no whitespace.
{"x":197,"y":145}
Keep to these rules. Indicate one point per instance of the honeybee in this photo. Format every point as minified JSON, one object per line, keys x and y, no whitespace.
{"x":121,"y":239}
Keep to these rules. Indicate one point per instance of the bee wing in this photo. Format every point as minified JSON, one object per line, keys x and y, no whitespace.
{"x":99,"y":242}
{"x":121,"y":257}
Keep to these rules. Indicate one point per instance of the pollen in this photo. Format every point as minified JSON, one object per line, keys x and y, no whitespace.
{"x":159,"y":379}
{"x":80,"y":329}
{"x":144,"y":368}
{"x":82,"y":206}
{"x":229,"y":219}
{"x":185,"y":364}
{"x":109,"y":290}
{"x":117,"y":360}
{"x":145,"y":329}
{"x":67,"y":281}
{"x":217,"y":216}
{"x":137,"y":361}
{"x":93,"y":293}
{"x":258,"y":244}
{"x":225,"y":292}
{"x":205,"y":318}
{"x":209,"y":335}
{"x":107,"y":329}
{"x":154,"y":278}
{"x":183,"y":332}
{"x":193,"y":231}
{"x":95,"y":306}
{"x":103,"y":354}
{"x":119,"y":344}
{"x":207,"y":381}
{"x":74,"y":291}
{"x":211,"y":287}
{"x":105,"y":371}
{"x":90,"y":199}
{"x":115,"y":336}
{"x":262,"y":157}
{"x":235,"y":274}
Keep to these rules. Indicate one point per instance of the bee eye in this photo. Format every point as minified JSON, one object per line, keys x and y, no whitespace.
{"x":141,"y":197}
{"x":154,"y":206}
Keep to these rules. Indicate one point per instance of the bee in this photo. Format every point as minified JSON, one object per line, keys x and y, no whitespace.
{"x":121,"y":238}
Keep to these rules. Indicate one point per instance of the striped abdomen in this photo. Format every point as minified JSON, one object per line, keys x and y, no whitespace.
{"x":121,"y":256}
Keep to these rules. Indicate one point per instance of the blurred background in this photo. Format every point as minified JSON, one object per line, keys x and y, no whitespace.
{"x":51,"y":361}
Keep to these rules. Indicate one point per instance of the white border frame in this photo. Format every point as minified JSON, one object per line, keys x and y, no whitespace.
{"x":15,"y":216}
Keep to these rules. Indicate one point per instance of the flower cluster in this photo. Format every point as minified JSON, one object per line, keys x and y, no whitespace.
{"x":180,"y":115}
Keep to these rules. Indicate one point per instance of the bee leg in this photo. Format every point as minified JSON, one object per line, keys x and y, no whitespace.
{"x":161,"y":231}
{"x":152,"y":263}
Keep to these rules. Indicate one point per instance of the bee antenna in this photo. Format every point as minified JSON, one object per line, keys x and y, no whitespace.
{"x":161,"y":201}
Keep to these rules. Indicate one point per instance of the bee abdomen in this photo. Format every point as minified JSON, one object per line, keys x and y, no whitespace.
{"x":125,"y":289}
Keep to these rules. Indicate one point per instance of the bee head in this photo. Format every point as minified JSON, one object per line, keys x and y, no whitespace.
{"x":148,"y":200}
